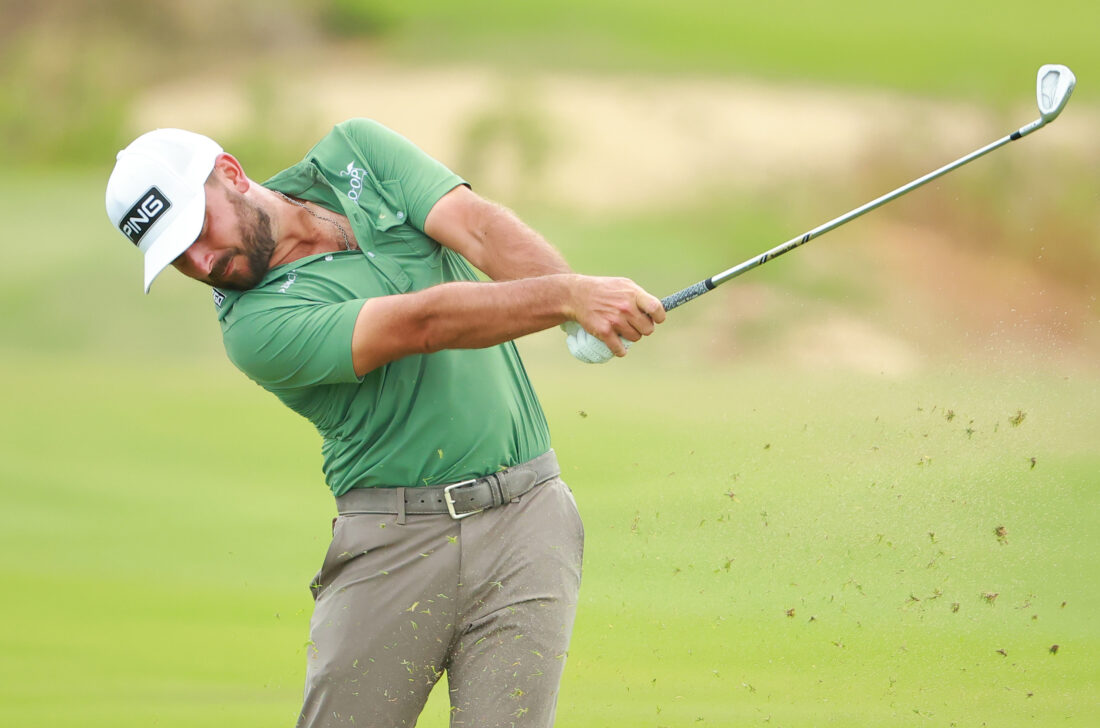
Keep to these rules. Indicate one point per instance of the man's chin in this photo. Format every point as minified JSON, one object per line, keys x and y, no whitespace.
{"x":235,"y":282}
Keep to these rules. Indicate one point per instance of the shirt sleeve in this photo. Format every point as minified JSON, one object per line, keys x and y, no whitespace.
{"x":295,"y":346}
{"x":391,"y":156}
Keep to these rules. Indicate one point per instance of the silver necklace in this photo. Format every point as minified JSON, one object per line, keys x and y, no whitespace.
{"x":338,"y":226}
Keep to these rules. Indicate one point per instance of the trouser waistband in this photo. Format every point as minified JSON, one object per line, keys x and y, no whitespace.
{"x":460,"y":499}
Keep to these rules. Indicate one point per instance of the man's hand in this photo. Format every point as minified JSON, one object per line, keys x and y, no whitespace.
{"x":607,"y":315}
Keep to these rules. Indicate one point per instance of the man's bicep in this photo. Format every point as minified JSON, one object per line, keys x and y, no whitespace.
{"x":492,"y":237}
{"x":387,"y":328}
{"x":456,"y":221}
{"x":296,"y":346}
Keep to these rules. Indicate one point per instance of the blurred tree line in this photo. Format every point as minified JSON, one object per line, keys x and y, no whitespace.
{"x":70,"y":70}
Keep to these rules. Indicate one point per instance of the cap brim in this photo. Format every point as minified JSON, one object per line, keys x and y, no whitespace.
{"x":176,"y":239}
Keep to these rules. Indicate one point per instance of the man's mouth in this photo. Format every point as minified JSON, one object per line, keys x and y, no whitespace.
{"x":222,"y":268}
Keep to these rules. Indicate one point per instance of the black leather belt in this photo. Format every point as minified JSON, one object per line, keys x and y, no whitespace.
{"x":460,"y":499}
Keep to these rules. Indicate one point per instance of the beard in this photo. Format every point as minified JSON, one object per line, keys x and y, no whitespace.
{"x":257,"y":244}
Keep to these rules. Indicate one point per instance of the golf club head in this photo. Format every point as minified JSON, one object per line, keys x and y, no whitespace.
{"x":1053,"y":89}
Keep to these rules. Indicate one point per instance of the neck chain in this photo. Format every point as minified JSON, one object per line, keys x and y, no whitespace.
{"x":338,"y":226}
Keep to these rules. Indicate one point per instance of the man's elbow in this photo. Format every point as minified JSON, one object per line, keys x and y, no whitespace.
{"x":431,"y":334}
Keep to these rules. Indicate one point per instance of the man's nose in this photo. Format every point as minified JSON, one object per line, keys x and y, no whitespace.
{"x":196,"y":261}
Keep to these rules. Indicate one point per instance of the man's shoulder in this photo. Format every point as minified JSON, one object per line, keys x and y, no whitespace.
{"x":231,"y":305}
{"x":345,"y":141}
{"x":356,"y":132}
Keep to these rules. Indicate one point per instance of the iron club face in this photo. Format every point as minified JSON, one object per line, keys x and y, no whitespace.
{"x":1052,"y":89}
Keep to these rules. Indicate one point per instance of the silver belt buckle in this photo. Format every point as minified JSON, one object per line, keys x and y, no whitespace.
{"x":451,"y":501}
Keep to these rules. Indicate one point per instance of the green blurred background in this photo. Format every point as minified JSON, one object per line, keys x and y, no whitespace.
{"x":857,"y":487}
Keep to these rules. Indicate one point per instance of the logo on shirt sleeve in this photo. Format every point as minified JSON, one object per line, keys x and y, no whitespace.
{"x":219,"y":297}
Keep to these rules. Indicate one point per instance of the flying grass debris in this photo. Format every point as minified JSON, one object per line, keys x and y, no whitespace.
{"x":1017,"y":419}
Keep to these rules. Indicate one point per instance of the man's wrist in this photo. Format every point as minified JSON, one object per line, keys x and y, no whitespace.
{"x":569,"y":295}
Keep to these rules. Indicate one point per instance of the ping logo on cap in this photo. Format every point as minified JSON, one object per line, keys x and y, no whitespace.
{"x":146,"y":211}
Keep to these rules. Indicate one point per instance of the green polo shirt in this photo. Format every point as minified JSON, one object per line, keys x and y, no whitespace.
{"x":420,"y":420}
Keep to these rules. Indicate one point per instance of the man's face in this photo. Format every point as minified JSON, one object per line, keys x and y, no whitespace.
{"x":234,"y":249}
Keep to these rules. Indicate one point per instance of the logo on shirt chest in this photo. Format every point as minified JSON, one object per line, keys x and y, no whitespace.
{"x":290,"y":278}
{"x":355,"y":175}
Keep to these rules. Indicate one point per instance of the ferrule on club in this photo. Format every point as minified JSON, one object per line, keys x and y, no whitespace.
{"x":1025,"y":130}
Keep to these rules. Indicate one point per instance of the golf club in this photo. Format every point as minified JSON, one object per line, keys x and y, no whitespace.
{"x":1053,"y":88}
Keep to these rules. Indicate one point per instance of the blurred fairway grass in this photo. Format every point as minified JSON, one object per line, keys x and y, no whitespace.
{"x":162,"y":517}
{"x":860,"y":507}
{"x":159,"y":542}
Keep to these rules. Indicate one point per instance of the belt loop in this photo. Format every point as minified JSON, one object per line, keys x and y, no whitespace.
{"x":400,"y":493}
{"x":497,"y":488}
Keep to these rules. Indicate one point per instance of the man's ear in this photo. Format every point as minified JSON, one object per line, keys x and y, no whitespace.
{"x":229,"y":169}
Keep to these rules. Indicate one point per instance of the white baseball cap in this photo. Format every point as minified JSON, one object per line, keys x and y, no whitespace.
{"x":156,"y":194}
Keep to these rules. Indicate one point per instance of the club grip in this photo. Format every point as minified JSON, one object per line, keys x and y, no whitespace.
{"x":681,"y":297}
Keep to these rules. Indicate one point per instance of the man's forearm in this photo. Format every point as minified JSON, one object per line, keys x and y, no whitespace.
{"x":472,"y":315}
{"x":459,"y":315}
{"x":476,"y":315}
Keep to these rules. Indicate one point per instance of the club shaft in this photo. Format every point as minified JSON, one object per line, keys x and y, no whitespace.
{"x":694,"y":291}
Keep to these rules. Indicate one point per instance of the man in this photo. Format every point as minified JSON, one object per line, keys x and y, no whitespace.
{"x":345,"y":285}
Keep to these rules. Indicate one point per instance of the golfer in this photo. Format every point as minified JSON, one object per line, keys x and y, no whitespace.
{"x":346,"y":286}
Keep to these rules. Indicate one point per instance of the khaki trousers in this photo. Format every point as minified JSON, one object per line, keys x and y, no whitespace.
{"x":489,"y":599}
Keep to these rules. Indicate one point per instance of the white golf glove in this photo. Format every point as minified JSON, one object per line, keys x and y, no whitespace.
{"x":585,"y":346}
